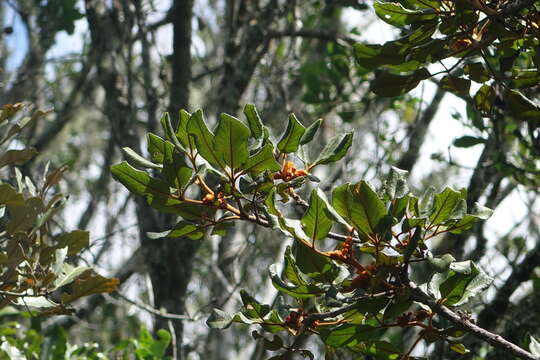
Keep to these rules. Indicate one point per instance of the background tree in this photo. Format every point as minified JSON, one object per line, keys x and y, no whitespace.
{"x":139,"y":58}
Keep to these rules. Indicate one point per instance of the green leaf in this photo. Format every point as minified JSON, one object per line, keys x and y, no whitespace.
{"x":336,"y":149}
{"x":230,"y":141}
{"x":348,"y":335}
{"x":182,"y":132}
{"x":150,"y":348}
{"x":290,"y":140}
{"x":459,"y":283}
{"x":175,"y":170}
{"x":395,"y":185}
{"x":459,"y":348}
{"x":372,"y":305}
{"x":138,"y":160}
{"x":398,"y":306}
{"x":381,"y":350}
{"x":477,"y":72}
{"x":23,"y":216}
{"x":317,"y":267}
{"x":68,"y":273}
{"x":204,"y":139}
{"x":394,"y":54}
{"x":456,"y":85}
{"x":444,"y":205}
{"x":297,"y":291}
{"x":291,"y":271}
{"x":139,"y":182}
{"x":520,"y":106}
{"x":270,"y":203}
{"x":441,"y":264}
{"x":534,"y":346}
{"x":8,"y":195}
{"x":525,"y":79}
{"x":219,"y":319}
{"x":169,"y":132}
{"x":156,"y":191}
{"x":389,"y":85}
{"x":315,"y":222}
{"x":466,"y":222}
{"x":181,"y":229}
{"x":253,"y":309}
{"x":263,"y":160}
{"x":360,"y":205}
{"x":222,"y":228}
{"x":87,"y":284}
{"x":17,"y":157}
{"x":75,"y":241}
{"x":424,"y":206}
{"x":484,"y":99}
{"x":467,"y":141}
{"x":331,"y":211}
{"x":343,"y":202}
{"x":413,"y":244}
{"x":395,"y":14}
{"x":254,"y":121}
{"x":311,"y":130}
{"x":158,"y":147}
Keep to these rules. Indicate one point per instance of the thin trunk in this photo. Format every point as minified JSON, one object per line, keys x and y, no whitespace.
{"x":418,"y":133}
{"x":181,"y":16}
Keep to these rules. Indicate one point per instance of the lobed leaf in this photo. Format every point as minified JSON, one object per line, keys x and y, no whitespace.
{"x":360,"y":205}
{"x":310,"y":132}
{"x":204,"y":139}
{"x":261,"y":161}
{"x":444,"y":205}
{"x":335,"y":150}
{"x":316,"y":222}
{"x":230,"y":141}
{"x":290,"y":140}
{"x":254,"y":121}
{"x":397,"y":15}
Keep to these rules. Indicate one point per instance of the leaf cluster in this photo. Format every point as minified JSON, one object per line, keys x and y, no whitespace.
{"x":350,"y":296}
{"x":33,"y":345}
{"x":34,"y":272}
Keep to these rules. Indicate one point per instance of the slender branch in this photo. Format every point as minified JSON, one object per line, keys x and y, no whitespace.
{"x":332,"y":314}
{"x":206,"y":72}
{"x":417,"y":136}
{"x":493,"y":339}
{"x":153,"y":311}
{"x":490,"y":314}
{"x":11,"y":293}
{"x":311,"y":33}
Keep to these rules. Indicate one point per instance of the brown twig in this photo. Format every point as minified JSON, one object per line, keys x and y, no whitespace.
{"x":493,"y":339}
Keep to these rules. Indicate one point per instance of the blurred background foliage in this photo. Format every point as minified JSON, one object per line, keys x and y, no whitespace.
{"x":109,"y":69}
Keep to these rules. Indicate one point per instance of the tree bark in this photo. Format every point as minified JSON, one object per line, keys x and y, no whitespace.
{"x":168,"y":262}
{"x":418,"y":133}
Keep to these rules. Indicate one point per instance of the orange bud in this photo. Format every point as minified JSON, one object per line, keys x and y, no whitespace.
{"x":208,"y":198}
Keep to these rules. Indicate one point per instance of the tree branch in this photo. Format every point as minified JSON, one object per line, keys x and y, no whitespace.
{"x":418,"y":134}
{"x":151,"y":310}
{"x":489,"y":316}
{"x":492,"y":339}
{"x":311,"y":33}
